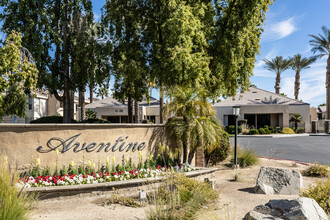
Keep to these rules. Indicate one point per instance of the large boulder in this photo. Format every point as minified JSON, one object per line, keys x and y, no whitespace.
{"x":297,"y":209}
{"x":278,"y":181}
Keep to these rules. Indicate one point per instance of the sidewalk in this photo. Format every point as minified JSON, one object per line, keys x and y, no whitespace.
{"x":275,"y":135}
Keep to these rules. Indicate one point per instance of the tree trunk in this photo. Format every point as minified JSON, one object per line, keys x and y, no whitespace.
{"x":72,"y":114}
{"x":161,"y":105}
{"x":191,"y":156}
{"x":66,"y":96}
{"x":82,"y":105}
{"x":277,"y":83}
{"x":91,"y":87}
{"x":328,"y":89}
{"x":137,"y":112}
{"x":185,"y":152}
{"x":130,"y":109}
{"x":297,"y":85}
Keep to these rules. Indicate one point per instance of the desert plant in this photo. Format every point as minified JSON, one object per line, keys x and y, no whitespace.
{"x":317,"y":170}
{"x":296,"y":118}
{"x":320,"y":193}
{"x":15,"y":203}
{"x":253,"y":132}
{"x":287,"y":130}
{"x":180,"y":197}
{"x":277,"y":65}
{"x":245,"y":157}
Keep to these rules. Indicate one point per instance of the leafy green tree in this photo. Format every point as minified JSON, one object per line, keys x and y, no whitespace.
{"x":321,"y":46}
{"x":177,"y":42}
{"x":298,"y":64}
{"x":296,"y":118}
{"x":18,"y":76}
{"x":129,"y":65}
{"x":55,"y":32}
{"x":277,"y":65}
{"x":234,"y":43}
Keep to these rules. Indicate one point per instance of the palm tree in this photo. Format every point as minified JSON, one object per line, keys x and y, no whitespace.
{"x":191,"y":127}
{"x":277,"y":65}
{"x":298,"y":64}
{"x":296,"y":118}
{"x":321,"y":45}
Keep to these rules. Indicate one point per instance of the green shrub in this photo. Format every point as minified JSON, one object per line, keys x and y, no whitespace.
{"x":245,"y":157}
{"x":253,"y":132}
{"x":277,"y":130}
{"x":94,"y":121}
{"x":180,"y":197}
{"x":90,"y":114}
{"x":300,"y":130}
{"x":15,"y":203}
{"x":220,"y":151}
{"x":287,"y":130}
{"x":231,"y":129}
{"x":317,"y":170}
{"x":320,"y":193}
{"x":50,"y":119}
{"x":262,"y":131}
{"x":268,"y":129}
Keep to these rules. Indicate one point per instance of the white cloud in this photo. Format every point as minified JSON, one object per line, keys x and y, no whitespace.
{"x":278,"y":30}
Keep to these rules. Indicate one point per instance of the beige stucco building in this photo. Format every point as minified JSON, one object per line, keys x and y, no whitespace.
{"x":260,"y":107}
{"x":116,"y":112}
{"x":41,"y":104}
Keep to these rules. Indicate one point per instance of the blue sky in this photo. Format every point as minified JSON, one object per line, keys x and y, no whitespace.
{"x":288,"y":24}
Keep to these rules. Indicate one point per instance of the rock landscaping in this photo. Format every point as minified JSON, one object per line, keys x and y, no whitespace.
{"x":278,"y":181}
{"x":296,"y":209}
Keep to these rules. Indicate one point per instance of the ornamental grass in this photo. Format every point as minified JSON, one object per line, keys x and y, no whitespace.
{"x":245,"y":157}
{"x":14,"y":202}
{"x":180,"y":197}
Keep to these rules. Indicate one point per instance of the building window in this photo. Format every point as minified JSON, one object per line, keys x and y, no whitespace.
{"x":36,"y":104}
{"x":30,"y":103}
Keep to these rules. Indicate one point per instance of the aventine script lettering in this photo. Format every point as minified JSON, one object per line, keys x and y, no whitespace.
{"x":71,"y":143}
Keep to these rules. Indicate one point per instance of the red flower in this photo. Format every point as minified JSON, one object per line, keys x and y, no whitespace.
{"x":114,"y":173}
{"x":159,"y":167}
{"x":107,"y":173}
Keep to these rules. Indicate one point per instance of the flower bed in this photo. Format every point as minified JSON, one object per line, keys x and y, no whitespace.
{"x":93,"y":178}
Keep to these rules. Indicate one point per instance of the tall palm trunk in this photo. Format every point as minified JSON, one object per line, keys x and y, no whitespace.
{"x":297,"y":85}
{"x":137,"y":111}
{"x":82,"y":105}
{"x":161,"y":105}
{"x":130,"y":109}
{"x":328,"y":88}
{"x":91,"y":87}
{"x":277,"y":83}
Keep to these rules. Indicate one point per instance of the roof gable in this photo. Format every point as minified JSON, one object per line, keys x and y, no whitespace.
{"x":256,"y":96}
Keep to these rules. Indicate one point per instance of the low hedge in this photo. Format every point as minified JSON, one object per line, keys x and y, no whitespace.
{"x":50,"y":120}
{"x":59,"y":120}
{"x":95,"y":121}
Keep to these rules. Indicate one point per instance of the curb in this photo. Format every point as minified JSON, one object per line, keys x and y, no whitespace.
{"x":295,"y":161}
{"x":274,"y":136}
